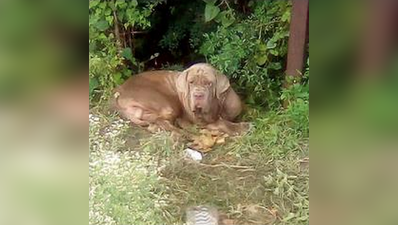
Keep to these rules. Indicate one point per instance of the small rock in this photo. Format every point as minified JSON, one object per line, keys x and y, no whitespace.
{"x":193,"y":154}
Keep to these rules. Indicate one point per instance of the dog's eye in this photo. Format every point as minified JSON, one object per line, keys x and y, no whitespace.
{"x":209,"y":84}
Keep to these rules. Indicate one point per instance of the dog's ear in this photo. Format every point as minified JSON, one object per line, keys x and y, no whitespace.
{"x":222,"y":84}
{"x":181,"y":82}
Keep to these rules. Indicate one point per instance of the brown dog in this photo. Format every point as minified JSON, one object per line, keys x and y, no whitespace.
{"x":199,"y":95}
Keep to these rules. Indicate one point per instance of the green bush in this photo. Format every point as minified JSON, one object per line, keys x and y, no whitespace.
{"x":252,"y":50}
{"x":104,"y":75}
{"x":110,"y":20}
{"x":297,"y":98}
{"x":111,"y":50}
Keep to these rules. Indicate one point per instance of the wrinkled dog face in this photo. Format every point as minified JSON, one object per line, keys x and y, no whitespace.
{"x":201,"y":84}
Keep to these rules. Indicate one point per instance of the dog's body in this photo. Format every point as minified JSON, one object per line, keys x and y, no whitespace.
{"x":199,"y":95}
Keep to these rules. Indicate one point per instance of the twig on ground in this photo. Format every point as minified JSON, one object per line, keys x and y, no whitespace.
{"x":247,"y":168}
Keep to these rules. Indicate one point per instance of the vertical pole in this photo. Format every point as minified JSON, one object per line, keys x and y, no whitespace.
{"x":297,"y":38}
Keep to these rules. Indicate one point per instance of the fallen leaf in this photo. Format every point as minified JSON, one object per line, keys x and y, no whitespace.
{"x":203,"y":143}
{"x":207,"y":139}
{"x":220,"y":140}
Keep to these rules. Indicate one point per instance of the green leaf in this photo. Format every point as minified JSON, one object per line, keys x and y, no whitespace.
{"x":286,"y":16}
{"x":227,"y":19}
{"x":274,"y":52}
{"x":127,"y":53}
{"x":211,"y":11}
{"x":219,"y":17}
{"x":102,"y":5}
{"x":271,"y":45}
{"x":102,"y":25}
{"x":109,"y":19}
{"x":93,"y":3}
{"x":134,"y":3}
{"x":119,"y":2}
{"x":117,"y":77}
{"x":262,"y":47}
{"x":108,"y":11}
{"x":102,"y":36}
{"x":260,"y":60}
{"x":212,"y":2}
{"x":93,"y":84}
{"x":275,"y":66}
{"x":111,"y":5}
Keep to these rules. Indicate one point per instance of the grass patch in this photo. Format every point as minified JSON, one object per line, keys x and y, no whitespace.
{"x":260,"y":178}
{"x":123,"y":185}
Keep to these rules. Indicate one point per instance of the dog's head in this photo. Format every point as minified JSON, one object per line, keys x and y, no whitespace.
{"x":201,"y":85}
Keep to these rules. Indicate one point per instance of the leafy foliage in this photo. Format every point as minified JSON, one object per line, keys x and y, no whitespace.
{"x":297,"y":98}
{"x":252,"y":50}
{"x":185,"y":27}
{"x":248,"y":46}
{"x":111,"y":26}
{"x":211,"y":11}
{"x":121,"y":15}
{"x":104,"y":75}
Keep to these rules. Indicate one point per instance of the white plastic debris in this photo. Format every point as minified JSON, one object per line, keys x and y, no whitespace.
{"x":193,"y":154}
{"x":202,"y":215}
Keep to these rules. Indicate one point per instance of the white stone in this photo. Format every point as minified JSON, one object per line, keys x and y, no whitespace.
{"x":193,"y":154}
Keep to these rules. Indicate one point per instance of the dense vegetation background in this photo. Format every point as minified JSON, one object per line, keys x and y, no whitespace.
{"x":247,"y":40}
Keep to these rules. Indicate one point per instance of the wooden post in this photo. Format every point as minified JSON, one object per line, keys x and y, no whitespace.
{"x":297,"y":38}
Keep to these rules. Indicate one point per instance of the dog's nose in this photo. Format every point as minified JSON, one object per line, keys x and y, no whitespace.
{"x":198,"y":95}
